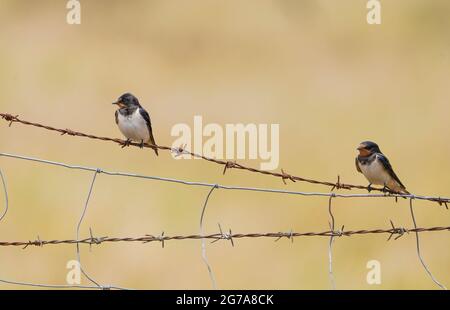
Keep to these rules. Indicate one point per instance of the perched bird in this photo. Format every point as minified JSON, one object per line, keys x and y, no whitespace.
{"x":377,"y":169}
{"x":134,"y":121}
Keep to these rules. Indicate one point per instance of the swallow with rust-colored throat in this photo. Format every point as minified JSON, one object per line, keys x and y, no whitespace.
{"x":377,"y":169}
{"x":134,"y":121}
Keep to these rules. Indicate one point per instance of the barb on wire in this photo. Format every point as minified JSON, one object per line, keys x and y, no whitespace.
{"x":204,"y":256}
{"x":288,"y":235}
{"x":160,"y":238}
{"x":418,"y":248}
{"x":5,"y":190}
{"x":224,"y":236}
{"x":400,"y":231}
{"x":227,"y":164}
{"x":94,"y":240}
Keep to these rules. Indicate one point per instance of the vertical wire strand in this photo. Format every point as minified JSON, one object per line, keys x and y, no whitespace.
{"x":6,"y":204}
{"x":78,"y":229}
{"x":330,"y":246}
{"x":204,"y":256}
{"x":418,"y":248}
{"x":6,"y":195}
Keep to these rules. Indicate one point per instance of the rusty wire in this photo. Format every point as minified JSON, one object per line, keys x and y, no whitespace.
{"x":227,"y":164}
{"x":147,"y":238}
{"x":332,"y":233}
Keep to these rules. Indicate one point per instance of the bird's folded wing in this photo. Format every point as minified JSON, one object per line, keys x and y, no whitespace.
{"x":357,"y":165}
{"x":146,"y":117}
{"x":387,"y":165}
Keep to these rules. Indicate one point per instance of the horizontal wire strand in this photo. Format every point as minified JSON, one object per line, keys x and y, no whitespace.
{"x":227,"y":164}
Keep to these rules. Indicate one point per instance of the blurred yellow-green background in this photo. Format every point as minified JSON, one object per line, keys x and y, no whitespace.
{"x":315,"y":67}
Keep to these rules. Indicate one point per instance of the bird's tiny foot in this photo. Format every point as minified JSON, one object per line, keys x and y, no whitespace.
{"x":126,"y":143}
{"x":141,"y":145}
{"x":386,"y":190}
{"x":369,"y":187}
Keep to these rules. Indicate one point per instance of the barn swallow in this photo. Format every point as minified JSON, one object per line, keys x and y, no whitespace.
{"x":376,"y":168}
{"x":134,"y":121}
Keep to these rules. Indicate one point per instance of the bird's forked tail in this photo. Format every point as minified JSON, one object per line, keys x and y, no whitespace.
{"x":152,"y":141}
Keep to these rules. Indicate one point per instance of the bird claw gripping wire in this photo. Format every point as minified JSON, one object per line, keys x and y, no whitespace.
{"x":125,"y":143}
{"x":289,"y":235}
{"x":224,"y":236}
{"x":285,"y":176}
{"x":229,"y":165}
{"x":400,"y":231}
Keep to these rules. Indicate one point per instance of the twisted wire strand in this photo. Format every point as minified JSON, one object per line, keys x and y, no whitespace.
{"x":219,"y":186}
{"x":332,"y":233}
{"x":227,"y":164}
{"x":148,"y":238}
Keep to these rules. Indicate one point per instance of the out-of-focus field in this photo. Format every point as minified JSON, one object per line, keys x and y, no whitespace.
{"x":314,"y":67}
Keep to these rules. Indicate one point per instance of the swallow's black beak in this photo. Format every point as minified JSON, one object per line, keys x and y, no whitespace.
{"x":361,"y":147}
{"x":119,"y":103}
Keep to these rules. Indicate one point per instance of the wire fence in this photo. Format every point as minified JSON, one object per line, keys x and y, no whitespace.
{"x":227,"y":164}
{"x":391,"y":231}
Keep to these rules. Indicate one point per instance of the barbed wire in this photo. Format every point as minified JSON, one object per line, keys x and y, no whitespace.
{"x":214,"y":237}
{"x":205,"y":184}
{"x":332,"y":233}
{"x":227,"y":164}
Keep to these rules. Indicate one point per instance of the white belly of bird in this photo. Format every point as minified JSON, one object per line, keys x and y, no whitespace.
{"x":376,"y":174}
{"x":134,"y":127}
